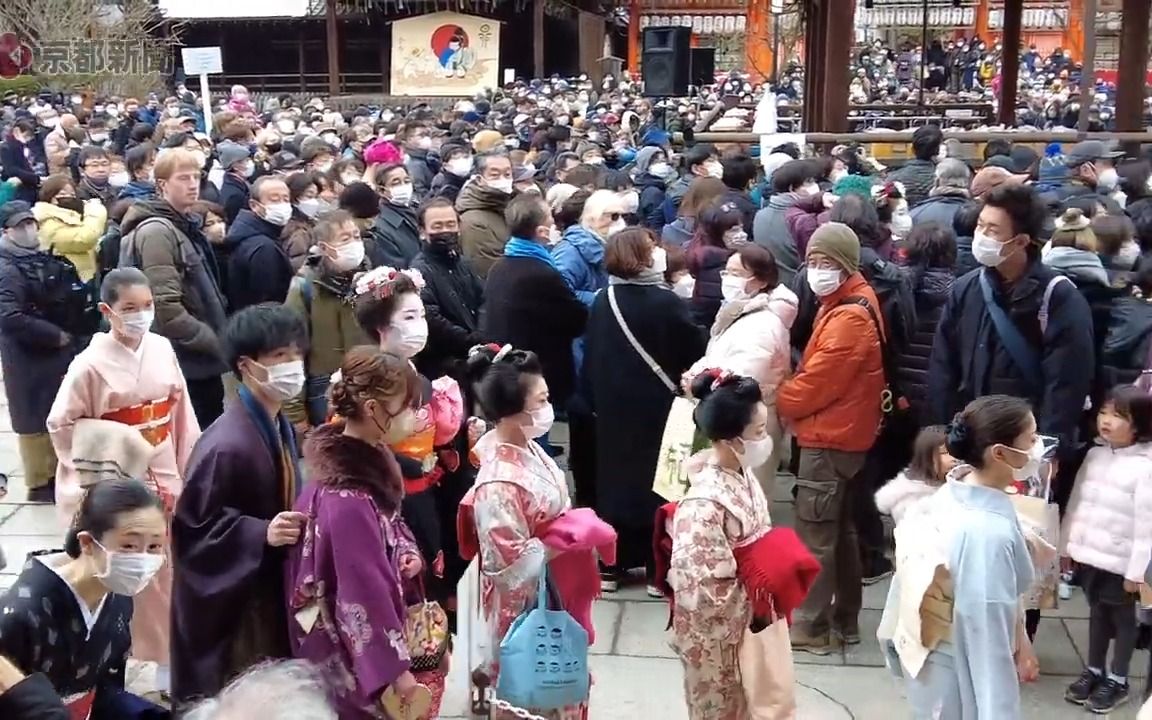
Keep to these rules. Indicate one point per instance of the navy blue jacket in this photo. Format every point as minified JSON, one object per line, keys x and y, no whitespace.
{"x":234,"y":195}
{"x":652,"y":191}
{"x":968,"y":359}
{"x":258,"y":267}
{"x":13,"y":164}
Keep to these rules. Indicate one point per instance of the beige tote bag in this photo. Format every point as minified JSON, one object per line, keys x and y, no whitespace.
{"x":767,"y":674}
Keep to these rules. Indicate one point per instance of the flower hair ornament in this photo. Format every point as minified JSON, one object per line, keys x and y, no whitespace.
{"x":883,"y":193}
{"x":500,"y":350}
{"x":382,"y":280}
{"x":719,"y":376}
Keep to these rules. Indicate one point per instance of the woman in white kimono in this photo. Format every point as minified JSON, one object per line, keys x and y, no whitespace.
{"x":129,"y":376}
{"x":963,"y":564}
{"x":725,"y":509}
{"x":519,"y":490}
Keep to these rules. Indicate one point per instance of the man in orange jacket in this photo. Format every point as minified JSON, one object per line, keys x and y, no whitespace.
{"x":833,"y":405}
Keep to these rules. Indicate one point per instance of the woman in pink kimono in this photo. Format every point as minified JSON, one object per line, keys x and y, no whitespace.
{"x":725,"y":510}
{"x":519,"y":493}
{"x":129,"y":376}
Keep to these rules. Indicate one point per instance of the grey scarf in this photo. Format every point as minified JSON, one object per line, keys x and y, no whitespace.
{"x":647,"y":276}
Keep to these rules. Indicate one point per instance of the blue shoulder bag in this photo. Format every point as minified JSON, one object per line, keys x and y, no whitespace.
{"x":544,"y":658}
{"x":1023,"y":355}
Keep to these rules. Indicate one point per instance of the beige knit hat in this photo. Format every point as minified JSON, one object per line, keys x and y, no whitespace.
{"x":1073,"y":229}
{"x":839,"y":242}
{"x":486,"y":140}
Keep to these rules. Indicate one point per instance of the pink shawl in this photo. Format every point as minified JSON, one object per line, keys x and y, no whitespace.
{"x":578,"y":536}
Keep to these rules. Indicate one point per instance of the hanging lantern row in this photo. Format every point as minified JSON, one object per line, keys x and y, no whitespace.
{"x":1041,"y":19}
{"x":700,"y":24}
{"x":914,"y":17}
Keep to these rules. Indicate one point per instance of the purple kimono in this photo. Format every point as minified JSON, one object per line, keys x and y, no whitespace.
{"x":227,"y":583}
{"x":345,"y":595}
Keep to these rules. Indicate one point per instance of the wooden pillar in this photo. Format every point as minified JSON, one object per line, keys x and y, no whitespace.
{"x":634,"y":36}
{"x":839,"y":39}
{"x":815,"y":66}
{"x":332,"y":41}
{"x":758,"y":39}
{"x":982,"y":30}
{"x":1010,"y":68}
{"x":1074,"y":32}
{"x":1132,"y":78}
{"x":300,"y":56}
{"x":386,"y":58}
{"x":538,"y":39}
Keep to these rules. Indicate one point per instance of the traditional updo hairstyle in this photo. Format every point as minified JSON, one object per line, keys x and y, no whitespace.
{"x":984,"y":422}
{"x":376,"y":302}
{"x":102,"y":506}
{"x":727,"y":403}
{"x":368,"y":373}
{"x":498,"y":377}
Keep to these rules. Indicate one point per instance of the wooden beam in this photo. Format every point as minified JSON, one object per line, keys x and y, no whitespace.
{"x":332,"y":41}
{"x":1132,"y":75}
{"x":1010,"y":59}
{"x":538,"y":38}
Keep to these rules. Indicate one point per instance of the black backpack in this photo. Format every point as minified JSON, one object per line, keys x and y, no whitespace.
{"x":893,"y":288}
{"x":61,"y":296}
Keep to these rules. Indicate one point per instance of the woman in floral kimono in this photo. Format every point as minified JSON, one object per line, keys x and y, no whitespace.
{"x":519,"y":490}
{"x":389,"y":310}
{"x":130,"y":376}
{"x":344,"y":580}
{"x":724,"y":510}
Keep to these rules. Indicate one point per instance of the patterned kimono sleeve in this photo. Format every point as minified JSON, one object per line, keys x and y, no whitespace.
{"x":509,"y":556}
{"x":368,"y":606}
{"x":447,"y":409}
{"x":711,"y":606}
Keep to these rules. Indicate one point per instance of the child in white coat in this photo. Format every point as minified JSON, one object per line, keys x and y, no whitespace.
{"x":1107,"y":532}
{"x":930,"y":465}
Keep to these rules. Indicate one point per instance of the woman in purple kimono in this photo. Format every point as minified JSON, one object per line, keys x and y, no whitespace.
{"x":345,"y":579}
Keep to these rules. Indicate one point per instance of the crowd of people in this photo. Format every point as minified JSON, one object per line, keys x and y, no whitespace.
{"x":290,"y":381}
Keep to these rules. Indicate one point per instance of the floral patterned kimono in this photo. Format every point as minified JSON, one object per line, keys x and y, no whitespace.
{"x":517,"y":491}
{"x":722,"y":510}
{"x":144,"y":389}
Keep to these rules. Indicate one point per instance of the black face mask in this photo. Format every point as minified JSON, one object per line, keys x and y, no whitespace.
{"x":446,"y":243}
{"x":71,"y":203}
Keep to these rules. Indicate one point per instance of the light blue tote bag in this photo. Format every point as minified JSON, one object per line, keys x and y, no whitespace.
{"x":544,"y":658}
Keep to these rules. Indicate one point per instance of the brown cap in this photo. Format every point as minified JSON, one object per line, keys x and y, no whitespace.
{"x":991,"y":177}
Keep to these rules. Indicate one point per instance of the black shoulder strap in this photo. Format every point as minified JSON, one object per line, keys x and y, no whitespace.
{"x":886,"y":359}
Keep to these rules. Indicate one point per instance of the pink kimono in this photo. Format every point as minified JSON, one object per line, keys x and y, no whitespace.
{"x":518,"y":492}
{"x":143,"y":388}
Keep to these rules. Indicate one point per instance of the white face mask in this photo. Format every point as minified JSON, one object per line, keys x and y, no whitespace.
{"x":310,"y":206}
{"x":630,"y":202}
{"x":503,"y":185}
{"x":324,"y":166}
{"x":824,"y":281}
{"x":735,"y":237}
{"x":541,"y":421}
{"x":732,"y":288}
{"x":837,"y":175}
{"x":901,"y":225}
{"x":684,"y":286}
{"x":756,"y":452}
{"x":659,"y":260}
{"x":715,"y":170}
{"x":285,"y":380}
{"x":348,"y":256}
{"x":349,"y":178}
{"x":248,"y":169}
{"x":986,"y":250}
{"x":660,"y":169}
{"x":136,"y":324}
{"x":554,"y":235}
{"x":616,"y":227}
{"x":595,"y":159}
{"x":278,"y":213}
{"x":411,"y":337}
{"x":118,"y":180}
{"x":128,"y":573}
{"x":1108,"y":178}
{"x":1031,"y":468}
{"x":808,"y":189}
{"x":400,"y":195}
{"x":460,"y":167}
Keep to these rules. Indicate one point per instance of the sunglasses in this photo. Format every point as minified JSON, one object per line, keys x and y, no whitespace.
{"x":615,"y":216}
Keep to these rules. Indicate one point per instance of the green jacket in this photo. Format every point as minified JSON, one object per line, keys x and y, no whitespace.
{"x":331,"y":321}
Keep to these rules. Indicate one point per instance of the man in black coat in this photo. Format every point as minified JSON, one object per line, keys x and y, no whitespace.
{"x":528,"y":304}
{"x":35,"y":348}
{"x":259,"y":269}
{"x":237,"y":164}
{"x":16,"y":160}
{"x":452,"y":294}
{"x":919,"y":175}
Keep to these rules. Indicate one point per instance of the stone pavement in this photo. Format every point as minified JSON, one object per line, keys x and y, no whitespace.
{"x":637,"y":676}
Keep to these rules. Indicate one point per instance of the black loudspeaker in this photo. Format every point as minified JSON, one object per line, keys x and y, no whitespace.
{"x":666,"y":61}
{"x":703,"y":66}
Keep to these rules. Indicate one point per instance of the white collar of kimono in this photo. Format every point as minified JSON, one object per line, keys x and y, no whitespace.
{"x":109,"y":358}
{"x":531,"y":458}
{"x":53,"y":563}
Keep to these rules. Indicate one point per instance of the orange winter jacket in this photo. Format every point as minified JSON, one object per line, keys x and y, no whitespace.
{"x":833,"y":400}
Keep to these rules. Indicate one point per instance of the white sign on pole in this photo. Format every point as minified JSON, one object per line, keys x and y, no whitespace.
{"x":203,"y":61}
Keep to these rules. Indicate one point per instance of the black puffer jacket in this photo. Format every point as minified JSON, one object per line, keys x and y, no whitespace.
{"x":705,"y":265}
{"x":918,"y":177}
{"x":931,"y":288}
{"x":1127,"y":343}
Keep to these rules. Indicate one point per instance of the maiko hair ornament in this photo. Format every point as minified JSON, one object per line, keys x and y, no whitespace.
{"x":719,"y":376}
{"x":958,"y":437}
{"x":381,"y":281}
{"x":499,"y":351}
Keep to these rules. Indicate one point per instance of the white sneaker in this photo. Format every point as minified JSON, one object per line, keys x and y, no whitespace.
{"x":609,"y":585}
{"x":654,"y":592}
{"x":1064,"y":591}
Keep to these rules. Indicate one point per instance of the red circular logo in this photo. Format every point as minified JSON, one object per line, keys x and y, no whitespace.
{"x":15,"y":56}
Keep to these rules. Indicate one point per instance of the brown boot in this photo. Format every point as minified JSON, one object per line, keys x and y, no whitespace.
{"x":821,"y":645}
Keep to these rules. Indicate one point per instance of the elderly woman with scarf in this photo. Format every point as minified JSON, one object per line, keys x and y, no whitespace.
{"x":640,"y":336}
{"x":345,"y":579}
